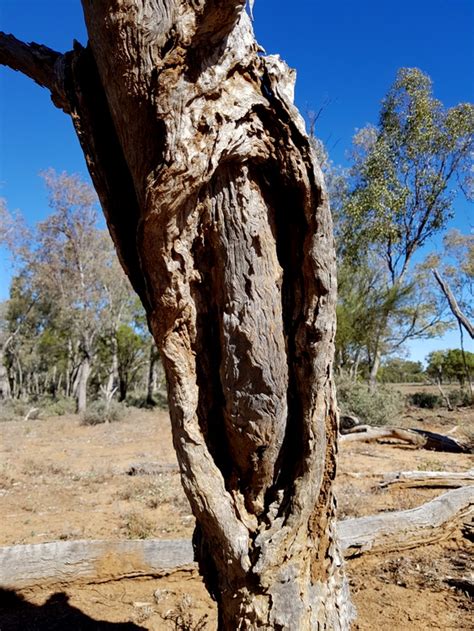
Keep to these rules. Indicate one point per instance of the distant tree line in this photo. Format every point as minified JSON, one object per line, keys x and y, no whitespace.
{"x":72,"y":326}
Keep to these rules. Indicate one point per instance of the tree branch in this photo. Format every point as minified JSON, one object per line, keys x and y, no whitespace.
{"x":453,"y":305}
{"x":40,"y":63}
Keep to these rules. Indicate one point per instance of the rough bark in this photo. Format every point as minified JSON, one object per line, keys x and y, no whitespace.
{"x":221,"y":220}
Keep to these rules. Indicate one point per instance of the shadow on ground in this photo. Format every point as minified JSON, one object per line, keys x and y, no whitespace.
{"x":56,"y":614}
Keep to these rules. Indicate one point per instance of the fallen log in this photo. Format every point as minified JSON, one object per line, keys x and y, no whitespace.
{"x":431,"y":479}
{"x":90,"y":561}
{"x":101,"y":561}
{"x":401,"y":530}
{"x":151,"y":468}
{"x":421,"y":439}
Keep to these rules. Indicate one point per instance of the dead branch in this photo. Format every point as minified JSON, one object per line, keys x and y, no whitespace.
{"x":431,"y":479}
{"x":40,"y":63}
{"x":428,"y":523}
{"x":453,"y":305}
{"x":421,"y":439}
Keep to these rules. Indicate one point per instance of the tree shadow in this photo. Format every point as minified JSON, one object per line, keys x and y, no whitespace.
{"x":56,"y":614}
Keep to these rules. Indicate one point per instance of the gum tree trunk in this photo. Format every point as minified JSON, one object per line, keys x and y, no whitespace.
{"x":220,"y":219}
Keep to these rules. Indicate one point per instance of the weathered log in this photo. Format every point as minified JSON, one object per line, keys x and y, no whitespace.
{"x":422,"y":439}
{"x":348,"y":423}
{"x":432,"y":479}
{"x":151,"y":468}
{"x":401,"y":530}
{"x":98,"y":561}
{"x":90,"y":561}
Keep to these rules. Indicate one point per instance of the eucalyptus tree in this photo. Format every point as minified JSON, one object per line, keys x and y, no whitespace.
{"x":221,"y":220}
{"x":406,"y":174}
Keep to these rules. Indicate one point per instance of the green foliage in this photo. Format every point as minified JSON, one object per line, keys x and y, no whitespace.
{"x":100,"y":412}
{"x":408,"y":169}
{"x":449,"y":364}
{"x":405,"y":175}
{"x":57,"y":406}
{"x":460,"y":398}
{"x":13,"y":410}
{"x":425,"y":400}
{"x":382,"y":406}
{"x":398,"y":370}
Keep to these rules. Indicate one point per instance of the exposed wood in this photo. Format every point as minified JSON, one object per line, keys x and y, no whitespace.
{"x":453,"y":304}
{"x":428,"y":523}
{"x":38,"y":62}
{"x":69,"y":561}
{"x":97,"y":561}
{"x":348,"y":423}
{"x":431,"y":479}
{"x":421,"y":439}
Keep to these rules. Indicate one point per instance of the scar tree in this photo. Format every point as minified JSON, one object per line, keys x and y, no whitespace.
{"x":221,"y":221}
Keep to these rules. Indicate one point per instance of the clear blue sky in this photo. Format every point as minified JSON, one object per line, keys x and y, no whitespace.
{"x":346,"y":54}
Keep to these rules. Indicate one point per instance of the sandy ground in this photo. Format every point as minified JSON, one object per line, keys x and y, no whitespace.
{"x":61,"y":480}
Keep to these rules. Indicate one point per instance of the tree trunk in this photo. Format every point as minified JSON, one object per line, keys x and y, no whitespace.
{"x":151,"y":379}
{"x":221,"y":221}
{"x":82,"y":381}
{"x":5,"y":389}
{"x":374,"y":370}
{"x":113,"y":378}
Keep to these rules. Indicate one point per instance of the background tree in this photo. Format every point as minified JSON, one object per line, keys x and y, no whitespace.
{"x":221,"y":220}
{"x":67,"y":301}
{"x":405,"y":176}
{"x":448,"y":365}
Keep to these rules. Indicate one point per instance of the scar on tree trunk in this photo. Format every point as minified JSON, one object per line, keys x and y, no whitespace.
{"x":221,"y":220}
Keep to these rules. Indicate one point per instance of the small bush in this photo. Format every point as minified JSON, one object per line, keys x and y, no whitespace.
{"x":13,"y":410}
{"x":374,"y":408}
{"x":136,"y":526}
{"x":425,"y":400}
{"x":141,"y":401}
{"x":101,"y":412}
{"x":57,"y":407}
{"x":460,"y":398}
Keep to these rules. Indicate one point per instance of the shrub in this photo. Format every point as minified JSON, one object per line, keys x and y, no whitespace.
{"x":13,"y":410}
{"x":460,"y":398}
{"x":374,"y":408}
{"x":57,"y":407}
{"x":141,"y":401}
{"x":426,"y":400}
{"x":136,"y":526}
{"x":101,"y":412}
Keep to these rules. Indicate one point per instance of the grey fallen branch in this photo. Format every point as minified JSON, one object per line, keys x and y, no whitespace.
{"x":401,"y":530}
{"x":421,"y":439}
{"x":431,"y":479}
{"x":100,"y":561}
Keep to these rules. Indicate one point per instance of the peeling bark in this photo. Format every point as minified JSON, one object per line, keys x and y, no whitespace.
{"x":221,"y":220}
